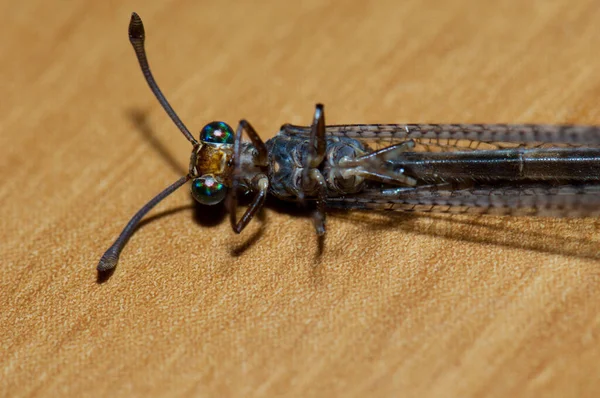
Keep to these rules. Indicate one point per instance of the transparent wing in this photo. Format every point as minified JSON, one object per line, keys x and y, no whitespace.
{"x":540,"y":200}
{"x":463,"y":137}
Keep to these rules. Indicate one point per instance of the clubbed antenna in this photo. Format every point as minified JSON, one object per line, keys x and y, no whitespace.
{"x":137,"y":35}
{"x":111,"y":256}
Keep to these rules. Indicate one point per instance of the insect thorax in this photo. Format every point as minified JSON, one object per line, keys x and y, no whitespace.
{"x":287,"y":153}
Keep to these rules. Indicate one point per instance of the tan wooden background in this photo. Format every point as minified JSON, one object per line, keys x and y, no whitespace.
{"x":417,"y":306}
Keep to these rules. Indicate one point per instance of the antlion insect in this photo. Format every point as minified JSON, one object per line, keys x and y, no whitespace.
{"x":547,"y":170}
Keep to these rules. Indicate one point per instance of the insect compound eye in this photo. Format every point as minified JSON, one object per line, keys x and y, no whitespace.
{"x":217,"y":133}
{"x":208,"y":190}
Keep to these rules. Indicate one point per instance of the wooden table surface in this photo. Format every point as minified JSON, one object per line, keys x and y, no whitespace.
{"x":395,"y":305}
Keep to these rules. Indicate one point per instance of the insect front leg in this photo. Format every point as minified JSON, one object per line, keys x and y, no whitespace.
{"x":260,"y":183}
{"x":316,"y":154}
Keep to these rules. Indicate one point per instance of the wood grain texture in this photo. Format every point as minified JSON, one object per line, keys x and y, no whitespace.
{"x":396,"y":305}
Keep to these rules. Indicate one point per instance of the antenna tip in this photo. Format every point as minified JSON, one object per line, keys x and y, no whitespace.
{"x":136,"y":28}
{"x":108,"y":261}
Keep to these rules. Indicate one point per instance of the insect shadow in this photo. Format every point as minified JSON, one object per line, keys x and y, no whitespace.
{"x":555,"y":236}
{"x":139,"y":119}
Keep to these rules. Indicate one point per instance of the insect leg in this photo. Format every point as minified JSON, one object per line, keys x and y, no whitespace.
{"x":319,"y":215}
{"x":258,"y":143}
{"x":373,"y":165}
{"x":317,"y":142}
{"x":383,"y":154}
{"x":316,"y":155}
{"x":259,"y":184}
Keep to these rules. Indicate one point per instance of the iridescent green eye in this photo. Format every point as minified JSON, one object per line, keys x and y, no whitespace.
{"x":217,"y":133}
{"x":208,"y":190}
